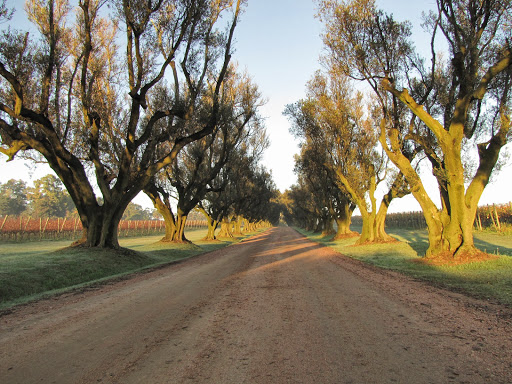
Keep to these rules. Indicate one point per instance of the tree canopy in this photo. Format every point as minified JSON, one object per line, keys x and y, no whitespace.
{"x":456,"y":102}
{"x":90,"y":108}
{"x":13,"y":197}
{"x":48,"y":198}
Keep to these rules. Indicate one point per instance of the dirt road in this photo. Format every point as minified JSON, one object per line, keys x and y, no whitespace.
{"x":275,"y":308}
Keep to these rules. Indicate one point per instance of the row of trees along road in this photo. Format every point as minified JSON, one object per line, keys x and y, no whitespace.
{"x":451,"y":110}
{"x":208,"y":166}
{"x":120,"y":116}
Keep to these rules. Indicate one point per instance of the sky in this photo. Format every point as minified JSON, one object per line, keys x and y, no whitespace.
{"x":278,"y":42}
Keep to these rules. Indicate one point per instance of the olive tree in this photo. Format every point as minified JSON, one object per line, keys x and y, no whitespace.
{"x":343,"y":138}
{"x":457,"y":104}
{"x":109,"y":119}
{"x":191,"y":174}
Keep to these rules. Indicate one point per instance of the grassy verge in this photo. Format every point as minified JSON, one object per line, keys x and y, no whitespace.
{"x":490,"y":280}
{"x":29,"y":271}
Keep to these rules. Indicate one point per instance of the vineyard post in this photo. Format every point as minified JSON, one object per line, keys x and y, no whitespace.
{"x":5,"y":219}
{"x":497,"y":218}
{"x":492,"y":218}
{"x":21,"y":229}
{"x":45,"y":225}
{"x":63,"y":223}
{"x":26,"y":224}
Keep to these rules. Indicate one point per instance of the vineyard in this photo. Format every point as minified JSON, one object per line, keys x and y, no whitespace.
{"x":28,"y":228}
{"x":491,"y":217}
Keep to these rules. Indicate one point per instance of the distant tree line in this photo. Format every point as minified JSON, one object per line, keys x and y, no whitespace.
{"x":48,"y":198}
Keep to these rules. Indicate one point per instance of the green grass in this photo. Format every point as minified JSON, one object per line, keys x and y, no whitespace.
{"x":32,"y":270}
{"x":491,"y":280}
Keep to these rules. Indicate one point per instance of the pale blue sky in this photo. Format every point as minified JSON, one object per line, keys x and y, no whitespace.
{"x":279,"y":43}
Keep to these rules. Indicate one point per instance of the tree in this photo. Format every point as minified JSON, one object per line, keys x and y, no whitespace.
{"x":303,"y":211}
{"x":48,"y":198}
{"x":5,"y":13}
{"x":87,"y":108}
{"x":216,"y":203}
{"x":242,"y":188}
{"x":255,"y":204}
{"x":13,"y":197}
{"x":193,"y":170}
{"x":230,"y":189}
{"x":342,"y":141}
{"x":137,"y":212}
{"x":309,"y":167}
{"x":331,"y":202}
{"x":456,"y":104}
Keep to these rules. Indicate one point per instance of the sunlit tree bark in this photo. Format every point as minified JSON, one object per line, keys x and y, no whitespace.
{"x":460,"y":104}
{"x":338,"y":137}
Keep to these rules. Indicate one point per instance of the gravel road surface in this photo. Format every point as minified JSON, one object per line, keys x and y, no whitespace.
{"x":275,"y":308}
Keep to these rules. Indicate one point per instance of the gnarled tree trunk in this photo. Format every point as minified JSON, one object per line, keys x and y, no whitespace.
{"x":100,"y":223}
{"x":328,"y":227}
{"x":237,"y":226}
{"x":164,"y":208}
{"x":181,"y":221}
{"x":225,"y":229}
{"x":343,"y":220}
{"x":212,"y":225}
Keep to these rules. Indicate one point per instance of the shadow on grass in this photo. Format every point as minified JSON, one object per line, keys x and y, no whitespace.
{"x":416,"y":239}
{"x":493,"y":248}
{"x":30,"y":273}
{"x":490,"y":280}
{"x":492,"y":243}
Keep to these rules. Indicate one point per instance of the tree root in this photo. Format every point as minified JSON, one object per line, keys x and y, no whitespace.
{"x":462,"y":256}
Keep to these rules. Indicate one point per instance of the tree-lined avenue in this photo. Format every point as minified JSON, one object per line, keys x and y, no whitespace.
{"x":275,"y":308}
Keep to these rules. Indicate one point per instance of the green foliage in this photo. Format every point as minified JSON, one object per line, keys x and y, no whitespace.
{"x":137,"y":212}
{"x":5,"y":13}
{"x":63,"y":93}
{"x":48,"y":198}
{"x":13,"y":197}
